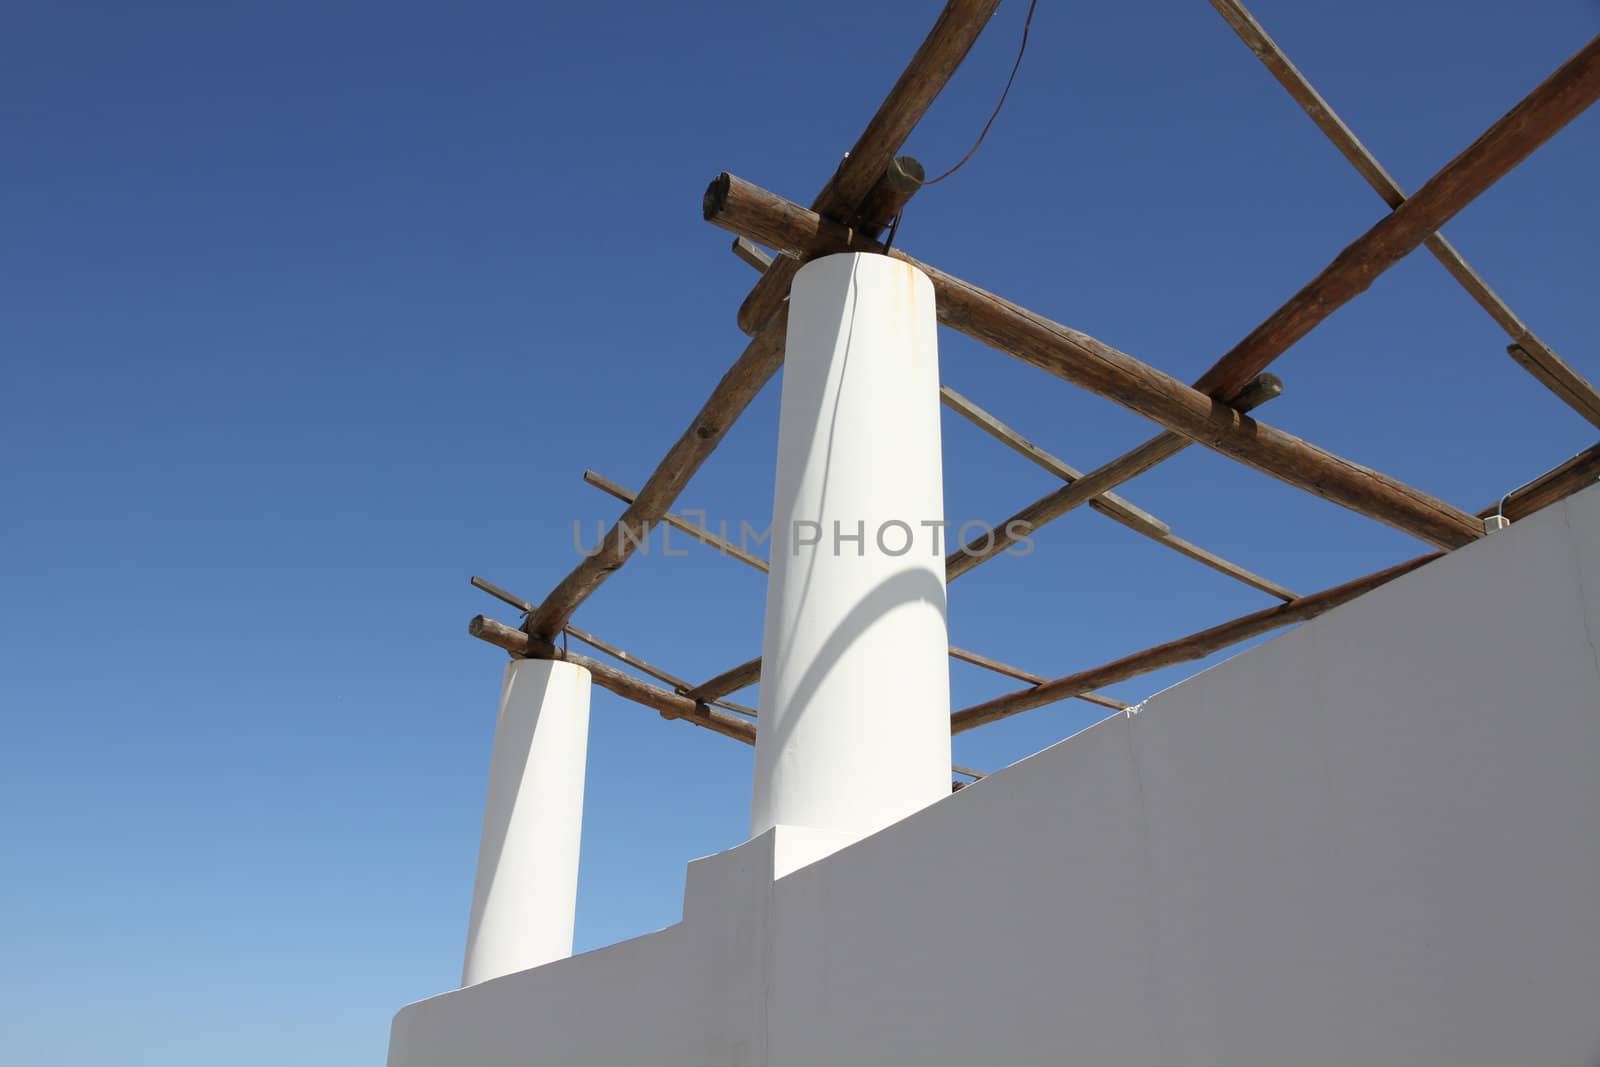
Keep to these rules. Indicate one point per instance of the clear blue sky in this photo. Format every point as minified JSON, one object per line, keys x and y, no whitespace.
{"x":311,"y":311}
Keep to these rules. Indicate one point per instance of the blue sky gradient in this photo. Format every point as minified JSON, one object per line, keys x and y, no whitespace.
{"x":311,"y":311}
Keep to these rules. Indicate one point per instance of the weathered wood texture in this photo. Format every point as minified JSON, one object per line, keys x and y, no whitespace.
{"x":752,"y":370}
{"x":1526,"y":348}
{"x":1093,"y":365}
{"x":931,"y":66}
{"x":1579,"y":472}
{"x":1555,"y":102}
{"x":616,"y":653}
{"x":669,"y":704}
{"x":890,"y":195}
{"x":1113,"y":507}
{"x":1053,"y":505}
{"x":1195,"y":646}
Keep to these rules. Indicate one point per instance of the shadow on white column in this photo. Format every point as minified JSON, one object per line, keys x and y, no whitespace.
{"x":524,"y":901}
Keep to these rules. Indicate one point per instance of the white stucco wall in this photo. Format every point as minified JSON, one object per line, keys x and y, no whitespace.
{"x":1373,"y":840}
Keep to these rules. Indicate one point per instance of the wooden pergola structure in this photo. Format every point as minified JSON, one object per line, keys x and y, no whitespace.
{"x":861,"y":201}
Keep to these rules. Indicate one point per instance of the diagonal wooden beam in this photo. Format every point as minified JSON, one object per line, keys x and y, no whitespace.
{"x":1108,"y":504}
{"x":1195,"y":646}
{"x":1113,"y":507}
{"x":1526,"y":348}
{"x":1093,"y":365}
{"x":1054,"y":505}
{"x":752,"y":370}
{"x":669,"y":704}
{"x":1556,"y":101}
{"x":1031,"y":678}
{"x":935,"y":60}
{"x":678,"y":522}
{"x":618,"y":654}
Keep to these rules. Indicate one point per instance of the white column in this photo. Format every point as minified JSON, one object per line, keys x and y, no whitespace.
{"x":855,"y":684}
{"x":526,"y":894}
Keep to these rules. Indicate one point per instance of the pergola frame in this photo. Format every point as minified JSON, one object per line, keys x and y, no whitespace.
{"x":869,"y":188}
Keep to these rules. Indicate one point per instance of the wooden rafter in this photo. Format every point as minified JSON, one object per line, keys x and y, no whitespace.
{"x":618,"y":654}
{"x":930,"y":68}
{"x":1098,"y":367}
{"x":1526,"y":348}
{"x":1195,"y":646}
{"x":1112,"y":506}
{"x":671,"y":705}
{"x":1556,"y":101}
{"x":846,"y":193}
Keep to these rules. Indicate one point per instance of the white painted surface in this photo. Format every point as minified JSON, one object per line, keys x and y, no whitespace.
{"x":855,"y":688}
{"x":1372,"y":841}
{"x":525,"y":898}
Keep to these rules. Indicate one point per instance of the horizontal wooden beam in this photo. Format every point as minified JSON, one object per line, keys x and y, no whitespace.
{"x":1093,"y":365}
{"x":738,"y":387}
{"x":1556,"y":101}
{"x":670,"y":705}
{"x":1195,"y":646}
{"x":867,"y":162}
{"x":1526,"y":348}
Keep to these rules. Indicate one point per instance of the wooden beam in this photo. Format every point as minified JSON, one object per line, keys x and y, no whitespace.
{"x":751,"y":253}
{"x":1195,"y":646}
{"x":741,"y":677}
{"x":618,"y":654}
{"x":1093,"y":365}
{"x":1526,"y":348}
{"x":890,"y":195}
{"x":752,"y":370}
{"x":1579,"y":472}
{"x":670,"y":705}
{"x":1556,"y":101}
{"x":931,"y":66}
{"x":1109,"y":504}
{"x":1028,"y":676}
{"x":678,"y":522}
{"x":1053,"y":505}
{"x":729,"y":681}
{"x":1113,"y":507}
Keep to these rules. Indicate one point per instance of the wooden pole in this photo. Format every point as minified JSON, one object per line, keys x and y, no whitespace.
{"x":677,"y":522}
{"x":618,"y":654}
{"x":1556,"y":101}
{"x":1526,"y":348}
{"x":1113,"y":507}
{"x":1109,"y":504}
{"x":1195,"y":646}
{"x":670,"y":705}
{"x":752,"y":370}
{"x":935,"y":60}
{"x":1093,"y":365}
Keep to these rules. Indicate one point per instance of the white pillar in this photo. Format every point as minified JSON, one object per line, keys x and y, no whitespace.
{"x":526,"y":895}
{"x":855,"y":684}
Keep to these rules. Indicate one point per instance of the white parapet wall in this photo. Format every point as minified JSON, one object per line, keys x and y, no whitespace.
{"x":1374,"y":840}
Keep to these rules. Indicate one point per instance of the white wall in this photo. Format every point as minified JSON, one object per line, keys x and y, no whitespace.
{"x":1373,"y":840}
